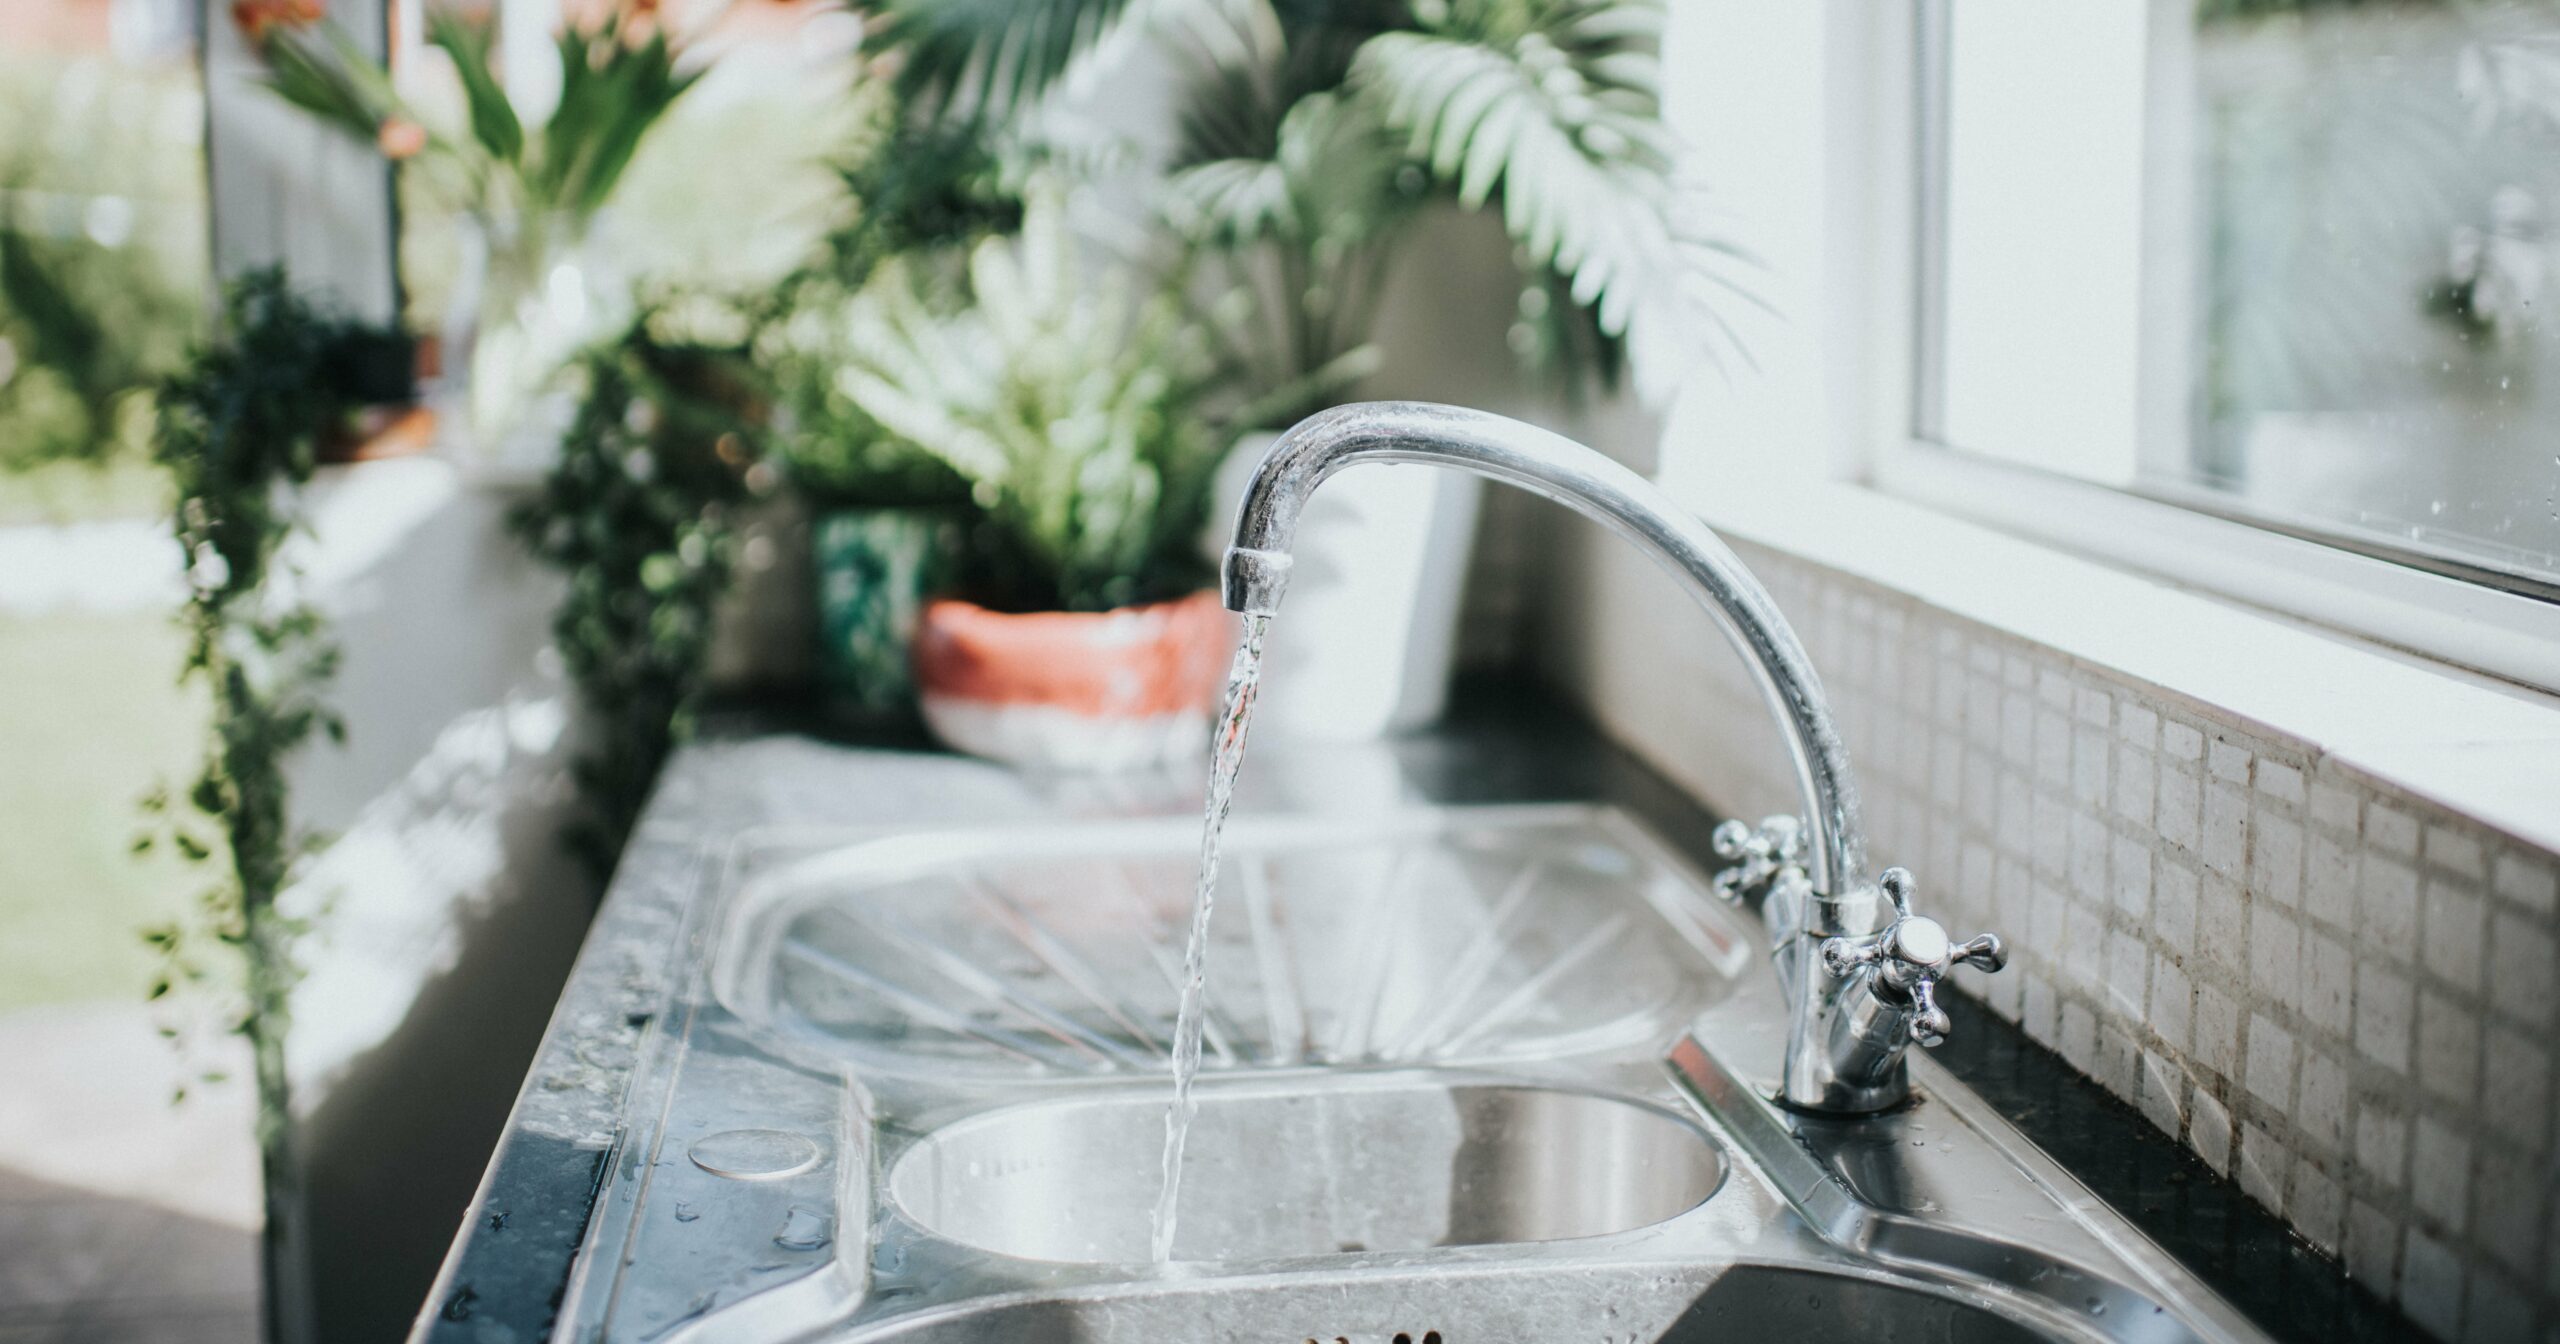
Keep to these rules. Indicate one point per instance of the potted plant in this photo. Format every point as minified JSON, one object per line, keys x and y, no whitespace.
{"x":1316,"y":142}
{"x":887,"y":521}
{"x":887,"y":517}
{"x":1080,"y":404}
{"x":531,"y":290}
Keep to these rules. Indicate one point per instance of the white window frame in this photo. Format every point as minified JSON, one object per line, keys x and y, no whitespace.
{"x":2324,"y":580}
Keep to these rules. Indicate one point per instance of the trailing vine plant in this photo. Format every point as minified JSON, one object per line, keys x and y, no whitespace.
{"x":638,"y":513}
{"x":236,"y":431}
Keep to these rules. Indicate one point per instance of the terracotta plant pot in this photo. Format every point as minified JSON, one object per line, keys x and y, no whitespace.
{"x":1110,"y":690}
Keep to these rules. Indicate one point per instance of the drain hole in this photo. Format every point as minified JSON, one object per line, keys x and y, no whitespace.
{"x":1403,"y":1338}
{"x":1430,"y":1337}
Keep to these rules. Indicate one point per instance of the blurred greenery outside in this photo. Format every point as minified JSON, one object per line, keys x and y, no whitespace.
{"x":90,"y":718}
{"x":764,"y":125}
{"x":102,"y":266}
{"x":102,"y":249}
{"x":102,"y":299}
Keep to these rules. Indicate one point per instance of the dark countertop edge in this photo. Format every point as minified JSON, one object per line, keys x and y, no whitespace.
{"x":1503,"y":741}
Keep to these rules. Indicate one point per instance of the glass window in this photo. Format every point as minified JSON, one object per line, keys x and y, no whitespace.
{"x":2292,"y":261}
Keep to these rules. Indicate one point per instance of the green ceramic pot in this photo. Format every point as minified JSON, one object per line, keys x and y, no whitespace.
{"x":875,"y":568}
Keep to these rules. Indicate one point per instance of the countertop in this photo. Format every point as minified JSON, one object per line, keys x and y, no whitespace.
{"x":761,"y":767}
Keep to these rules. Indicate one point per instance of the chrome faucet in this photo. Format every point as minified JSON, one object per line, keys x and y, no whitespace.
{"x":1860,"y":970}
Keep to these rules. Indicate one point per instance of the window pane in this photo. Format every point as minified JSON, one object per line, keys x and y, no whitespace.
{"x":2377,"y":190}
{"x":2290,"y":260}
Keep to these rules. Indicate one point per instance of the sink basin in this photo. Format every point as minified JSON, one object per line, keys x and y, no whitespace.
{"x":1485,"y":1073}
{"x":1280,"y":1172}
{"x":1747,"y":1302}
{"x":1772,"y":1302}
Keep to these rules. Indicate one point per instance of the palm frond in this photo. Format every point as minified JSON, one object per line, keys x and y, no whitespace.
{"x":1326,"y":179}
{"x":983,"y":61}
{"x":1551,"y":107}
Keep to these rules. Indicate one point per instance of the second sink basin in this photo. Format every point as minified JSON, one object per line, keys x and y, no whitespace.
{"x":1379,"y":1165}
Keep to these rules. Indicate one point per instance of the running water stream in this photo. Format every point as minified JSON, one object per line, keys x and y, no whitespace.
{"x":1235,"y":715}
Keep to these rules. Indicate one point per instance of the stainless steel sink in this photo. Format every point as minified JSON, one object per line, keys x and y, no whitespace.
{"x":1291,"y":1168}
{"x":1747,"y":1303}
{"x":940,"y":1059}
{"x":1424,"y":937}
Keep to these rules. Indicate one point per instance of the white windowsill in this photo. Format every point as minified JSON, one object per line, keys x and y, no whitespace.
{"x":2484,"y":749}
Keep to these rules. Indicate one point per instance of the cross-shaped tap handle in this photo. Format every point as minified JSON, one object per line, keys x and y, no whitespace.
{"x":1910,"y":955}
{"x":1758,"y":853}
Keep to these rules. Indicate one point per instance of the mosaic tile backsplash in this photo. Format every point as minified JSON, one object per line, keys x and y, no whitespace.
{"x":2337,"y":994}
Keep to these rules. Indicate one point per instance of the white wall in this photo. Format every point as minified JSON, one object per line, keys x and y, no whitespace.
{"x":2214,"y":917}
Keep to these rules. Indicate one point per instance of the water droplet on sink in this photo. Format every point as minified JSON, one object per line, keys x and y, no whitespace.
{"x":804,"y":1230}
{"x":755,"y":1154}
{"x":685,"y":1212}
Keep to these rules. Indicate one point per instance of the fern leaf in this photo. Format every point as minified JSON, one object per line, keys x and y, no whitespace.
{"x":1558,"y":120}
{"x":981,"y":61}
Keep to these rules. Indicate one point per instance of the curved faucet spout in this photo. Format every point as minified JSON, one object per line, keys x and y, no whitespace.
{"x":1860,"y":989}
{"x":1256,"y":574}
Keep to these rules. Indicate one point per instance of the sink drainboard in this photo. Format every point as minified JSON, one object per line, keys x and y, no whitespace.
{"x":915,"y":1096}
{"x":1449,"y":937}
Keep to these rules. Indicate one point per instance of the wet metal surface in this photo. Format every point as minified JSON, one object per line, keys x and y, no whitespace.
{"x":614,"y":1227}
{"x":1510,"y":1183}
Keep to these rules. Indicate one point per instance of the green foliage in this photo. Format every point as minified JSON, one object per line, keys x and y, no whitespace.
{"x":1080,"y":412}
{"x":320,"y":71}
{"x":88,"y":328}
{"x":1550,"y":108}
{"x":915,"y":187}
{"x":1301,"y":210}
{"x":637,"y":513}
{"x":615,"y":84}
{"x":1314,"y":127}
{"x":611,"y":93}
{"x":236,"y":433}
{"x":836,"y":454}
{"x":90,"y":317}
{"x":493,"y":118}
{"x":978,"y":61}
{"x":917,"y":190}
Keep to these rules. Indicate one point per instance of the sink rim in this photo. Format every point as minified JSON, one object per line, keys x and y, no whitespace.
{"x":1693,"y":1280}
{"x":1275,"y":1085}
{"x":899,"y":1275}
{"x":759,"y":909}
